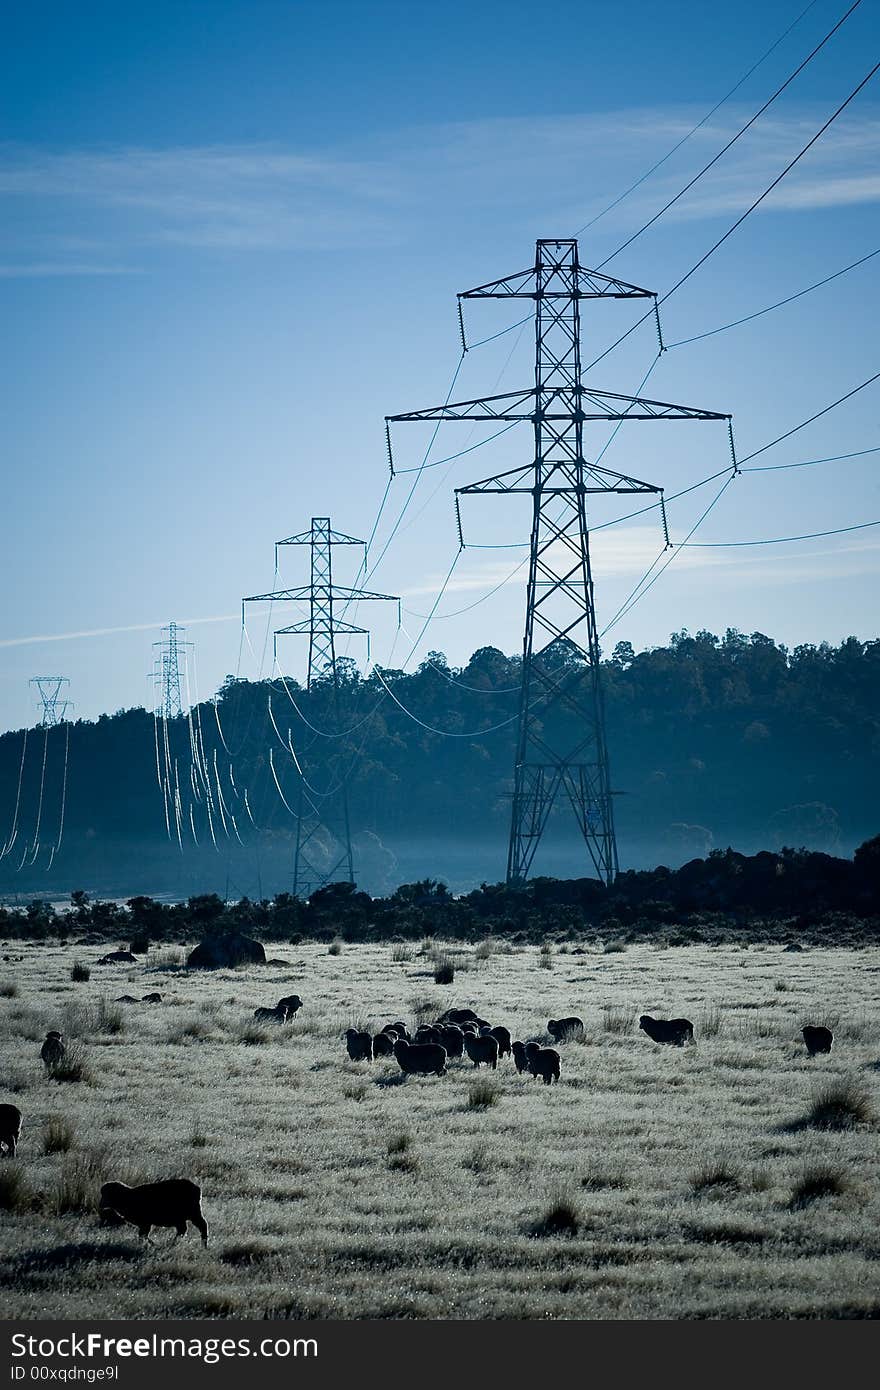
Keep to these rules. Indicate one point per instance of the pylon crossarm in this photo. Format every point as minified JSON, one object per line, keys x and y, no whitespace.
{"x":306,"y":626}
{"x":557,"y":403}
{"x":334,"y":537}
{"x":590,"y":284}
{"x":281,"y":596}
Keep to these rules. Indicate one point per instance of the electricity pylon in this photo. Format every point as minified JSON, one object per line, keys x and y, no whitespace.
{"x":53,"y":706}
{"x":561,"y":747}
{"x":166,"y":671}
{"x":322,"y":815}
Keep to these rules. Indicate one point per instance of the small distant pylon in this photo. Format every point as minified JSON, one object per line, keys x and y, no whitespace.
{"x":316,"y":824}
{"x":166,"y":671}
{"x":54,"y":707}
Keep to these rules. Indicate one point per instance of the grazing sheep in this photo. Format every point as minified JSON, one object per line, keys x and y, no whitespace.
{"x":460,"y":1016}
{"x":118,"y":958}
{"x":817,"y":1039}
{"x":452,"y":1038}
{"x":276,"y":1015}
{"x":170,"y":1203}
{"x":10,"y":1128}
{"x":153,"y":998}
{"x":52,"y":1051}
{"x":468,"y":1027}
{"x":501,"y":1036}
{"x":482,"y":1049}
{"x":359,"y":1045}
{"x":543,"y":1062}
{"x":676,"y":1031}
{"x":383,"y":1045}
{"x":519,"y":1056}
{"x":560,"y":1029}
{"x":421,"y":1058}
{"x":126,"y":999}
{"x":427,"y":1034}
{"x":291,"y":1002}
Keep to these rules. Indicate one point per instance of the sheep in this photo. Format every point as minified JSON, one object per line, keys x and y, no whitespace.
{"x":560,"y":1029}
{"x":482,"y":1049}
{"x":519,"y":1056}
{"x":170,"y":1203}
{"x":118,"y":958}
{"x":126,"y":999}
{"x":420,"y":1057}
{"x":153,"y":998}
{"x":817,"y":1039}
{"x":276,"y":1015}
{"x":452,"y":1038}
{"x":383,"y":1045}
{"x":501,"y":1036}
{"x":676,"y":1031}
{"x":427,"y":1034}
{"x":359,"y":1045}
{"x":543,"y":1062}
{"x":459,"y":1016}
{"x":291,"y":1002}
{"x":10,"y":1128}
{"x":53,"y":1050}
{"x":468,"y":1027}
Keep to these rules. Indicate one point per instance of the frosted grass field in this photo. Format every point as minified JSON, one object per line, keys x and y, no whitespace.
{"x":338,"y":1190}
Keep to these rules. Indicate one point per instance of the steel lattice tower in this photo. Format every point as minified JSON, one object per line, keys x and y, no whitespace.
{"x":166,"y":671}
{"x":331,"y":817}
{"x":561,"y":747}
{"x":53,"y":706}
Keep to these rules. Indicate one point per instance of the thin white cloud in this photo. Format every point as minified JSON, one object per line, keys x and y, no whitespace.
{"x":39,"y":638}
{"x":388,"y":188}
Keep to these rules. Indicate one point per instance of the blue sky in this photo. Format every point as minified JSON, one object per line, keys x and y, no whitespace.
{"x":231,"y":240}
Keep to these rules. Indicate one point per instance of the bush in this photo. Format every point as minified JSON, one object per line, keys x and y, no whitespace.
{"x":839,"y":1105}
{"x":8,"y":990}
{"x":79,"y":972}
{"x":58,"y":1135}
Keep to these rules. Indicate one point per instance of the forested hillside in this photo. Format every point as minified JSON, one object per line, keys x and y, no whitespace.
{"x":713,"y":742}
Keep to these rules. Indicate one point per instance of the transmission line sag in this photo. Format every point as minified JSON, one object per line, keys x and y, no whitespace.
{"x":323,"y":852}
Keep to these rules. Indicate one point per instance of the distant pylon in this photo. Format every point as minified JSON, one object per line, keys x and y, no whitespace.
{"x":561,"y":750}
{"x":322,"y":815}
{"x":166,"y":671}
{"x":53,"y":706}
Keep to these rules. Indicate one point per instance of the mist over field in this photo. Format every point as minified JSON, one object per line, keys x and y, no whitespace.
{"x":714,"y":742}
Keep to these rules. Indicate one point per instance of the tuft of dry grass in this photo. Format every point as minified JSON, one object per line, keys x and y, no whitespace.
{"x":545,"y":956}
{"x":335,"y":948}
{"x":562,"y":1218}
{"x":188,"y":1030}
{"x":73,"y":1067}
{"x":482,"y":1094}
{"x":59,"y":1135}
{"x":444,"y":970}
{"x":714,"y":1176}
{"x":77,"y":1186}
{"x":98,"y":1017}
{"x":617,"y":1020}
{"x":80,"y":972}
{"x":816,"y":1181}
{"x":15,"y":1192}
{"x":401,"y":954}
{"x":839,"y":1105}
{"x":8,"y":989}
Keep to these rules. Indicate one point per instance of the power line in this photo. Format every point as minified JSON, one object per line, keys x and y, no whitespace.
{"x":810,"y":463}
{"x":780,"y":540}
{"x":739,"y":221}
{"x":714,"y":160}
{"x":698,"y":337}
{"x":709,"y":114}
{"x":817,"y":416}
